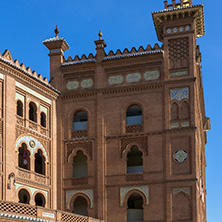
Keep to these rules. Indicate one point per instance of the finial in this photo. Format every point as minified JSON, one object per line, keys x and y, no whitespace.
{"x":100,"y":35}
{"x":56,"y":31}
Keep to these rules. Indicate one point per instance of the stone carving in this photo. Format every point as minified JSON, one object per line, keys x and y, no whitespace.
{"x":134,"y":77}
{"x":178,"y":190}
{"x":33,"y":145}
{"x":125,"y":190}
{"x":72,"y":85}
{"x":151,"y":75}
{"x":179,"y":73}
{"x":115,"y":80}
{"x":71,"y":193}
{"x":180,"y":156}
{"x":179,"y":94}
{"x":87,"y":83}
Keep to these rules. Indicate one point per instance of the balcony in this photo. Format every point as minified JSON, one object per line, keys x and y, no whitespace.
{"x":79,"y":134}
{"x":23,"y":212}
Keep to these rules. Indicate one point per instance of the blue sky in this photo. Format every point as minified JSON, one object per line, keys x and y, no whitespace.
{"x":124,"y":24}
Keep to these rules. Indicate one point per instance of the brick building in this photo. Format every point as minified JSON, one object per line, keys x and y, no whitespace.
{"x":116,"y":136}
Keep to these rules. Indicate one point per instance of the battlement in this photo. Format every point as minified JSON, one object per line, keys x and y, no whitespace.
{"x":7,"y":58}
{"x":182,"y":3}
{"x":117,"y":55}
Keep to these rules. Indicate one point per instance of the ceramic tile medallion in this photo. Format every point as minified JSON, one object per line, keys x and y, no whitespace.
{"x":151,"y":75}
{"x":174,"y":125}
{"x":87,"y":83}
{"x":180,"y":94}
{"x":180,"y":156}
{"x":134,"y":77}
{"x":72,"y":85}
{"x":115,"y":80}
{"x":179,"y":73}
{"x":185,"y":124}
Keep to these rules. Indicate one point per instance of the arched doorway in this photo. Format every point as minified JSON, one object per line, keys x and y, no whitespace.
{"x":39,"y":200}
{"x":135,"y":208}
{"x":80,"y":165}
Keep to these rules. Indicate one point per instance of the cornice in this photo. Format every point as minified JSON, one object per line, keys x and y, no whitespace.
{"x":23,"y":76}
{"x":25,"y":181}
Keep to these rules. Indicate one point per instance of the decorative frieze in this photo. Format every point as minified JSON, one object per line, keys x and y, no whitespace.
{"x":178,"y":29}
{"x":179,"y":73}
{"x":179,"y":94}
{"x":125,"y":190}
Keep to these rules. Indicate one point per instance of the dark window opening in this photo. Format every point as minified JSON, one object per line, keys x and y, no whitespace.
{"x":24,"y":196}
{"x":134,"y":115}
{"x":32,"y":112}
{"x":81,"y":206}
{"x":80,"y":165}
{"x":19,"y":108}
{"x":80,"y":121}
{"x":134,"y":161}
{"x":43,"y":119}
{"x":39,"y":163}
{"x":39,"y":200}
{"x":24,"y":157}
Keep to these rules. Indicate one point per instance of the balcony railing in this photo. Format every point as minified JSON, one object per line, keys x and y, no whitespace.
{"x":79,"y":133}
{"x":138,"y":128}
{"x":182,"y":3}
{"x":25,"y":212}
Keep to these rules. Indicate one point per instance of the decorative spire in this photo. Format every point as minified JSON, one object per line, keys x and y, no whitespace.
{"x":100,"y":35}
{"x":56,"y":31}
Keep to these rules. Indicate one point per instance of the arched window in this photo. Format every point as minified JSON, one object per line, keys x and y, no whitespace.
{"x":80,"y":121}
{"x":39,"y":162}
{"x":39,"y":200}
{"x":32,"y":112}
{"x":134,"y":115}
{"x":80,"y":165}
{"x":185,"y":111}
{"x":174,"y":111}
{"x":24,"y":157}
{"x":43,"y":119}
{"x":80,"y":206}
{"x":135,"y":208}
{"x":19,"y":108}
{"x":23,"y":196}
{"x":134,"y":161}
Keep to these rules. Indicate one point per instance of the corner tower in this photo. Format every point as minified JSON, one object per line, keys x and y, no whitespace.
{"x":178,"y":26}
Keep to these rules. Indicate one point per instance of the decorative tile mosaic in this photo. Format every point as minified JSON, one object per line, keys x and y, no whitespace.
{"x":115,"y":80}
{"x":71,"y":193}
{"x":134,"y":77}
{"x":169,"y":31}
{"x":151,"y":75}
{"x":174,"y":125}
{"x":185,"y":124}
{"x":178,"y":190}
{"x":181,"y":29}
{"x":87,"y":83}
{"x":180,"y":156}
{"x":179,"y":73}
{"x":125,"y":190}
{"x":187,"y":28}
{"x":175,"y":30}
{"x":180,"y":94}
{"x":32,"y":143}
{"x":72,"y":85}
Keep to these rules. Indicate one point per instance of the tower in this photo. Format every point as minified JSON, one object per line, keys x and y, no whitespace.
{"x":131,"y":125}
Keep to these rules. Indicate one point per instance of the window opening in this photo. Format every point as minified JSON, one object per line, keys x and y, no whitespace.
{"x":24,"y":157}
{"x":135,"y":208}
{"x":19,"y":108}
{"x":134,"y":115}
{"x":24,"y":196}
{"x":134,"y":161}
{"x":80,"y":165}
{"x":80,"y":206}
{"x":80,"y":121}
{"x":32,"y":112}
{"x":39,"y":200}
{"x":39,"y":163}
{"x":43,"y":119}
